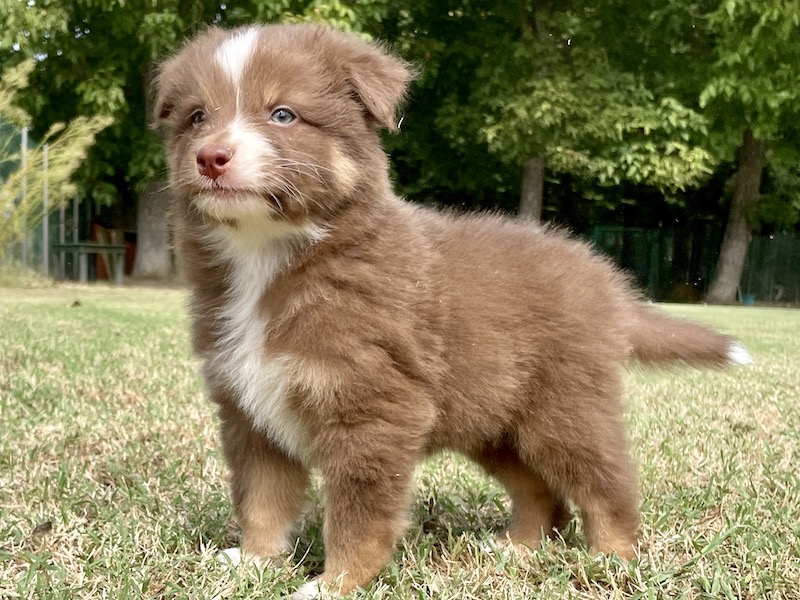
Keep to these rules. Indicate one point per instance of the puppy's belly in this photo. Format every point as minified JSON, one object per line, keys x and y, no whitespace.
{"x":261,"y":389}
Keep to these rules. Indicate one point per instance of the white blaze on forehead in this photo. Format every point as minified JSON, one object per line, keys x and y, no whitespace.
{"x":252,"y":152}
{"x":233,"y":53}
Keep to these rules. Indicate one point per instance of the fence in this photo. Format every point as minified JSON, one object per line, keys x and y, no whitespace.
{"x":677,"y":264}
{"x":772,"y":272}
{"x":63,"y":225}
{"x":48,"y":225}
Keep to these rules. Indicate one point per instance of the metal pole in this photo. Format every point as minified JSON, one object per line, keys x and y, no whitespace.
{"x":76,"y":224}
{"x":46,"y":219}
{"x":23,"y":153}
{"x":76,"y":219}
{"x":62,"y":234}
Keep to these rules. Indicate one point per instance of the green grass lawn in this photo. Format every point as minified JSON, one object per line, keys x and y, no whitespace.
{"x":112,"y":484}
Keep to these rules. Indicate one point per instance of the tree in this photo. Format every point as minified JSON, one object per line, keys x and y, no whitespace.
{"x":734,"y":62}
{"x":537,"y":89}
{"x":746,"y":187}
{"x":67,"y":146}
{"x":518,"y":85}
{"x":753,"y":95}
{"x":153,"y":256}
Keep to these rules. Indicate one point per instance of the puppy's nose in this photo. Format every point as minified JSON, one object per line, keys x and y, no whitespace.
{"x":212,"y":160}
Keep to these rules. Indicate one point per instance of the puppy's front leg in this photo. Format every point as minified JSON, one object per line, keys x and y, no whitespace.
{"x":267,"y":487}
{"x":367,"y":487}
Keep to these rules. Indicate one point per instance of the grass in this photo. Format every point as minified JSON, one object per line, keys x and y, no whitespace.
{"x":14,"y":274}
{"x":112,"y":484}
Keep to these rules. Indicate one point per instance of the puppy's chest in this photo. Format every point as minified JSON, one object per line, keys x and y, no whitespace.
{"x":241,"y":362}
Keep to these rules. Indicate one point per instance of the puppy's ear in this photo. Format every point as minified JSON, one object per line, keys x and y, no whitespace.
{"x":161,"y":97}
{"x":166,"y":90}
{"x":380,"y":81}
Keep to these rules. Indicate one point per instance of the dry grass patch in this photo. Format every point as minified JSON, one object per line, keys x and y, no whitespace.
{"x":112,"y":484}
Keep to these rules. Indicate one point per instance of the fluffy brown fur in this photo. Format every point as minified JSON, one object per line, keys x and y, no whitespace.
{"x":346,"y":330}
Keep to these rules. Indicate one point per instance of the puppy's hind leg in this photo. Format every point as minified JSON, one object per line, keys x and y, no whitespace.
{"x":537,"y":511}
{"x":267,"y":487}
{"x":584,"y":455}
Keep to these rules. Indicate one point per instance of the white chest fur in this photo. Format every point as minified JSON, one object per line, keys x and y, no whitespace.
{"x":239,"y":361}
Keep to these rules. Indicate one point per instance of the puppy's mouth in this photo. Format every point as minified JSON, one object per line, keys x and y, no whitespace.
{"x":227,"y":203}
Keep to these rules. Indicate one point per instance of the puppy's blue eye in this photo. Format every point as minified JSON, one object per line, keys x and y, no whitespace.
{"x":282,"y":116}
{"x":198,"y":117}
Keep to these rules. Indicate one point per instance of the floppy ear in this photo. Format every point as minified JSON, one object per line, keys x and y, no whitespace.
{"x":165,"y":90}
{"x":162,"y":103}
{"x":380,"y":81}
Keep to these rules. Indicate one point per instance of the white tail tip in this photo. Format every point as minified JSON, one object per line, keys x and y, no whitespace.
{"x":738,"y":355}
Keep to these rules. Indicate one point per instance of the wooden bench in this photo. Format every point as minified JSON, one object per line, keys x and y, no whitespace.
{"x":113,"y":255}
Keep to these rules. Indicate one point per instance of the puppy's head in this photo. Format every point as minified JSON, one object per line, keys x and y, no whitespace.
{"x":276,"y":122}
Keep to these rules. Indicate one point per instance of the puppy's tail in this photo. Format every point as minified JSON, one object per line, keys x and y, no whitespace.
{"x":657,"y":338}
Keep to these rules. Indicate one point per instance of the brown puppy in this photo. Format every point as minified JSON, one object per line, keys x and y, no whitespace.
{"x":346,"y":330}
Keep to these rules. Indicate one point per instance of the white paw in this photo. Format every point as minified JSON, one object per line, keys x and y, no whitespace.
{"x":498,"y":545}
{"x":490,"y":546}
{"x":738,"y":355}
{"x":231,"y":556}
{"x":312,"y":589}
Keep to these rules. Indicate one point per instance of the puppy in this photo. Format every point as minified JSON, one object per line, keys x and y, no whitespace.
{"x":345,"y":330}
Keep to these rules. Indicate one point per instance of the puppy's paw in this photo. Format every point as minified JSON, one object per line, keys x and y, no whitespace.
{"x":233,"y":557}
{"x":497,"y":546}
{"x":504,"y":547}
{"x":313,"y":589}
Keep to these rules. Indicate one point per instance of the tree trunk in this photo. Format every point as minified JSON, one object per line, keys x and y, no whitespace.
{"x":746,"y":185}
{"x":532,"y":194}
{"x":153,"y":256}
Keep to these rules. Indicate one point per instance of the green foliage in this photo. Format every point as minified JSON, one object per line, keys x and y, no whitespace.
{"x":779,"y":206}
{"x":543,"y":84}
{"x":652,"y":94}
{"x":66,"y":149}
{"x":14,"y":80}
{"x":602,"y":125}
{"x":28,"y":25}
{"x":753,"y":80}
{"x":732,"y":60}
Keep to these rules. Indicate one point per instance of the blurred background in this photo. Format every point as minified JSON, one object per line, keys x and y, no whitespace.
{"x":666,"y":132}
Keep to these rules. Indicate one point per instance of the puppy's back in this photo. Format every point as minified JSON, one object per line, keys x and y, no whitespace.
{"x":527,"y":279}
